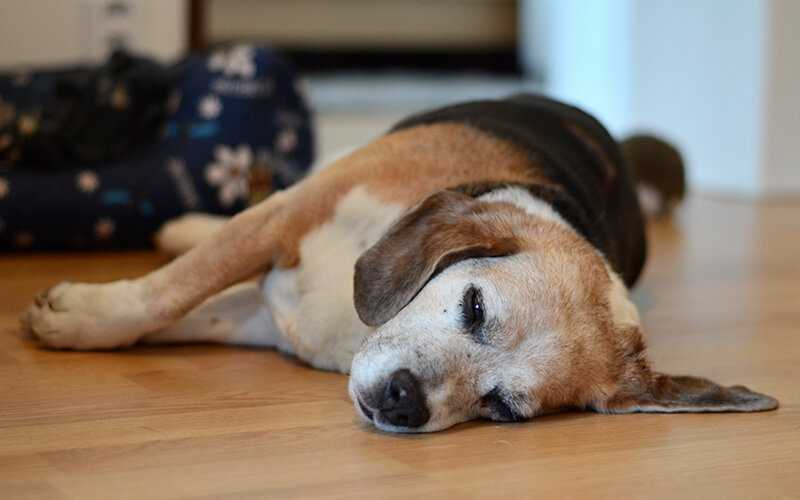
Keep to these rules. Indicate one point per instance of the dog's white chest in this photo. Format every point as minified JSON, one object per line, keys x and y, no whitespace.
{"x":312,"y":304}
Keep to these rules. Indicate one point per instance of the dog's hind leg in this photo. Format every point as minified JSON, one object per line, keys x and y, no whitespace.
{"x":180,"y":235}
{"x":236,"y":315}
{"x":105,"y":316}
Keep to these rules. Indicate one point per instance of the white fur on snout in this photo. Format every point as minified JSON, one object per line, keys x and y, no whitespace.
{"x":425,"y":338}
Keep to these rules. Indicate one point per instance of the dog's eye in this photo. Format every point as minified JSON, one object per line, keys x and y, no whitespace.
{"x":472,"y":310}
{"x":501,"y":406}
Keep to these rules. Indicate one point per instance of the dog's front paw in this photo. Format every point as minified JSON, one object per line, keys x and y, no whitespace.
{"x":86,"y":316}
{"x":42,"y":318}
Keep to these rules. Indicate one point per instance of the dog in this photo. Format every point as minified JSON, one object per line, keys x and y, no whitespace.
{"x":474,"y":262}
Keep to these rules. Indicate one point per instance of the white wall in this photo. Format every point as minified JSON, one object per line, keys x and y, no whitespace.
{"x":42,"y":32}
{"x":699,"y":79}
{"x":720,"y":78}
{"x":779,"y":174}
{"x":583,"y":51}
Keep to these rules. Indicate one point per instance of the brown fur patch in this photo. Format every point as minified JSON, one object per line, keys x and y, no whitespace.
{"x":405,"y":167}
{"x":445,"y":228}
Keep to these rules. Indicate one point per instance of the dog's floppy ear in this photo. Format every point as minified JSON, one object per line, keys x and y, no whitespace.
{"x":683,"y":394}
{"x":443,"y":229}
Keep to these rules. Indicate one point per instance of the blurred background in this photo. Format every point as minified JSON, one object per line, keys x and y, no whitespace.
{"x":719,"y":78}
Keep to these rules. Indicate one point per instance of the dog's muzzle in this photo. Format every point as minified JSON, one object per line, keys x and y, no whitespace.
{"x":400,"y":403}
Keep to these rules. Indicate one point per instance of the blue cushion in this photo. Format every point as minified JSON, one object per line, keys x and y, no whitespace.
{"x":239,"y":128}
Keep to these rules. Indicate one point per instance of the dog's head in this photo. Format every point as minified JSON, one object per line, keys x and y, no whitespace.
{"x":486,"y":309}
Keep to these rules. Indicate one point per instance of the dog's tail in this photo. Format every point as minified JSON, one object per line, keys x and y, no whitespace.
{"x":658,"y":170}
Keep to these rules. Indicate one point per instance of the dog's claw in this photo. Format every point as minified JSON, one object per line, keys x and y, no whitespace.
{"x":43,"y":298}
{"x":55,"y":308}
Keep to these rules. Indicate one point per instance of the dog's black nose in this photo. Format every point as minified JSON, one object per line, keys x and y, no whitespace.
{"x":403,"y":402}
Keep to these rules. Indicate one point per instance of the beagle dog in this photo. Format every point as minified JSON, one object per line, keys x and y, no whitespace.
{"x":473,"y":262}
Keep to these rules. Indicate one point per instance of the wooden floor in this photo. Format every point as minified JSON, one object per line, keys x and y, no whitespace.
{"x":720,"y":298}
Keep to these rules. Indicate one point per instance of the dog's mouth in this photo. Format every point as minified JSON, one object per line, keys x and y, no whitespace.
{"x":368,"y":414}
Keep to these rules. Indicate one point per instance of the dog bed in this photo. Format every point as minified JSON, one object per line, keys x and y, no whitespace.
{"x":237,"y":127}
